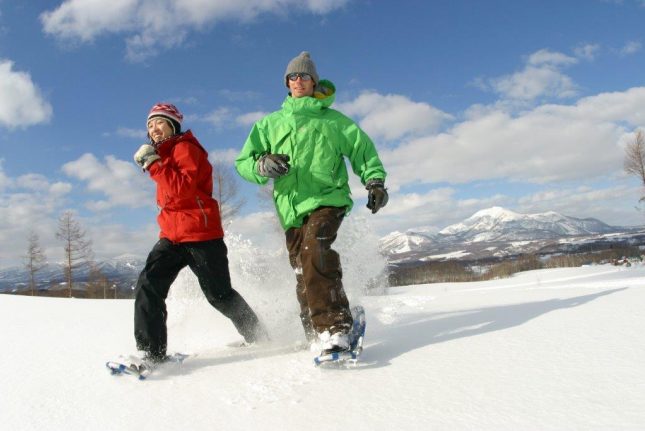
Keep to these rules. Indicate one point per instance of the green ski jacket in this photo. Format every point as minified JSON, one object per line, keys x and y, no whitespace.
{"x":317,"y":139}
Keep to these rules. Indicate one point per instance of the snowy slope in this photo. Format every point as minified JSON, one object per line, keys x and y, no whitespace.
{"x":545,"y":350}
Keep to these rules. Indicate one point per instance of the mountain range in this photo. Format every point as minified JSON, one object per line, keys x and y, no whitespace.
{"x":121,"y":271}
{"x":498,"y":232}
{"x":493,"y":233}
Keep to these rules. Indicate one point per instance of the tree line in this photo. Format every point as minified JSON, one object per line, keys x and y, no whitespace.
{"x":454,"y":271}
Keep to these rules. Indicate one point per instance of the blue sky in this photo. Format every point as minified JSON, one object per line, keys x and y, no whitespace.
{"x":520,"y":104}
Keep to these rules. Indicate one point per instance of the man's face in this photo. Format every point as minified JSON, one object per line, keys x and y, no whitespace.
{"x":159,"y":129}
{"x":301,"y":85}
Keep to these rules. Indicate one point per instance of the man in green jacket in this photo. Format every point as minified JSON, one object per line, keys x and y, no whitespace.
{"x":303,"y":148}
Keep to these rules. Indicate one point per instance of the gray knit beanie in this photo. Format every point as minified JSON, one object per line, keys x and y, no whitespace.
{"x":301,"y":64}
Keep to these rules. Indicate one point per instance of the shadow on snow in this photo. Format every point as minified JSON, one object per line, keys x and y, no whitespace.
{"x":427,"y":328}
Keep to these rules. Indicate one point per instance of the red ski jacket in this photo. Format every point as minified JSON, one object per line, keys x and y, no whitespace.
{"x":188,"y":212}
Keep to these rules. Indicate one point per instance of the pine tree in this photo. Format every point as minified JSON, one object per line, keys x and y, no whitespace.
{"x":78,"y":250}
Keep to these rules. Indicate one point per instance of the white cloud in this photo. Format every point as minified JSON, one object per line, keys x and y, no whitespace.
{"x":550,"y":58}
{"x":225,"y":117}
{"x":226,"y":156}
{"x":611,"y":204}
{"x":21,"y":103}
{"x":541,"y":77}
{"x":250,"y":118}
{"x":5,"y":181}
{"x":132,"y":133}
{"x":28,"y":203}
{"x":219,"y":118}
{"x":393,"y":116}
{"x":120,"y":181}
{"x":32,"y":182}
{"x":546,"y":144}
{"x":588,"y":51}
{"x":631,"y":47}
{"x":112,"y":239}
{"x":152,"y":24}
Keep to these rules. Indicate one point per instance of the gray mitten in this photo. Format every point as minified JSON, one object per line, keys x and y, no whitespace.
{"x":273,"y":165}
{"x":145,"y":156}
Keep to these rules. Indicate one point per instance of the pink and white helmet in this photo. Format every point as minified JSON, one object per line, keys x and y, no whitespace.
{"x":169,"y":112}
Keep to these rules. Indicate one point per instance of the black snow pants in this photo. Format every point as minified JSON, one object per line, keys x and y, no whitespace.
{"x":209,"y":262}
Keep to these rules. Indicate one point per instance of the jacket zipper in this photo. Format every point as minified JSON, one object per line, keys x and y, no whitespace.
{"x":201,"y":208}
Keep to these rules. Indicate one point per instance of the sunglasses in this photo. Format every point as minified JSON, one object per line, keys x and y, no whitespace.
{"x":295,"y":76}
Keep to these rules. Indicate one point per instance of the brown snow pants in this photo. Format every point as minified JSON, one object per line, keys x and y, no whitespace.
{"x":319,"y":288}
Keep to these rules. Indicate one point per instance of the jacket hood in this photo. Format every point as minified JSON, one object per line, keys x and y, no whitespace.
{"x":324,"y":96}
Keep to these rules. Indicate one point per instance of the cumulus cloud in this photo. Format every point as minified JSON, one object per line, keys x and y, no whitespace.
{"x":219,"y":118}
{"x":608,"y":204}
{"x":226,"y":117}
{"x":541,"y":77}
{"x":114,"y":239}
{"x":249,"y":118}
{"x":549,"y":143}
{"x":21,"y":102}
{"x":5,"y":181}
{"x":120,"y":182}
{"x":29,"y":202}
{"x":150,"y":24}
{"x":224,"y":156}
{"x":393,"y":116}
{"x":631,"y":47}
{"x":587,"y":51}
{"x":131,"y":133}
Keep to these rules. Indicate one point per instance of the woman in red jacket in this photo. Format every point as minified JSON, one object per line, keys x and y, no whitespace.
{"x":191,"y":234}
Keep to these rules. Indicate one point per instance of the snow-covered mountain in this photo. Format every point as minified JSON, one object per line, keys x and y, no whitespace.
{"x":398,"y":242}
{"x":121,"y":270}
{"x":499,"y":224}
{"x":499,"y":232}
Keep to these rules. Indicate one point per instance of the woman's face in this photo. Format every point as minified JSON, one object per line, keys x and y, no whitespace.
{"x":159,"y":129}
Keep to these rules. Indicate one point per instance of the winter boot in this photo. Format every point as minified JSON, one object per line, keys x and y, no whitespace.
{"x":336,"y":342}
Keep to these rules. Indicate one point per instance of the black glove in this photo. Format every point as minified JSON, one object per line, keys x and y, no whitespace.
{"x":376,"y":195}
{"x":273,"y":165}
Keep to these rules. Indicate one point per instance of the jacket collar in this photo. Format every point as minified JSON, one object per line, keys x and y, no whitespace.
{"x":312,"y":105}
{"x":167,"y":144}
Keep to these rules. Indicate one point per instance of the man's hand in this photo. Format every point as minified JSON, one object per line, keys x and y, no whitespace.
{"x":273,"y":165}
{"x":376,"y":195}
{"x":146,"y":156}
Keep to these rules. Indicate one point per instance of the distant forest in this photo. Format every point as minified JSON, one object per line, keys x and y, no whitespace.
{"x":451,"y":271}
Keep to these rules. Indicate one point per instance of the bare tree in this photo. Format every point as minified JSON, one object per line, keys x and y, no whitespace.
{"x":34,"y":260}
{"x":226,"y":190}
{"x":635,"y":158}
{"x":265,"y":201}
{"x":78,"y":250}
